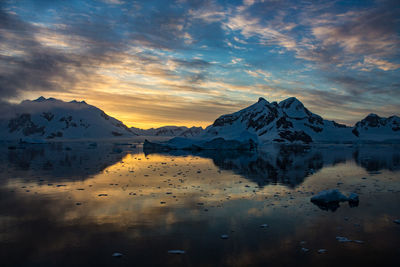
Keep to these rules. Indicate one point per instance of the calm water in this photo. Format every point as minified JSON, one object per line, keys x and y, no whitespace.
{"x":70,"y":204}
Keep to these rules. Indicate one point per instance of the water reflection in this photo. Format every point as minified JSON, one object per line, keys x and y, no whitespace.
{"x":290,"y":165}
{"x":157,"y":202}
{"x":62,"y":161}
{"x":275,"y":164}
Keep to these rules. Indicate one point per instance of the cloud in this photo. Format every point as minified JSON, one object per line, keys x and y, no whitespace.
{"x":26,"y":65}
{"x":114,"y":2}
{"x":373,"y":31}
{"x":192,"y":52}
{"x":371,"y":63}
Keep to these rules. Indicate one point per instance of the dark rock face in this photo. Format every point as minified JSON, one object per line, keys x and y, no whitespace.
{"x":338,"y":125}
{"x":68,"y":122}
{"x":25,"y":123}
{"x":284,"y":123}
{"x":295,"y":136}
{"x":315,"y":119}
{"x":314,"y":128}
{"x":104,"y":115}
{"x":395,"y":123}
{"x":123,"y":126}
{"x":48,"y":116}
{"x":226,"y":119}
{"x":373,"y":120}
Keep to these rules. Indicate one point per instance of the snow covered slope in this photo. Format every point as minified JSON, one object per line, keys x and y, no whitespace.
{"x":55,"y":119}
{"x":375,"y":128}
{"x":169,"y":131}
{"x":287,"y":121}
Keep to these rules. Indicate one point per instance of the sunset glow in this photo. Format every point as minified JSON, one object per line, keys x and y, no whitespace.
{"x":154,"y":63}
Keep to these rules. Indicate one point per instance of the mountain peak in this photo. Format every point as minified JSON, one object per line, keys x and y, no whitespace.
{"x":289,"y":101}
{"x":40,"y":99}
{"x":77,"y":102}
{"x":373,"y":115}
{"x":43,"y":99}
{"x":262,"y":99}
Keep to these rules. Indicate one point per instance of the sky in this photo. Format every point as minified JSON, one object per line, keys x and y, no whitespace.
{"x":186,"y":62}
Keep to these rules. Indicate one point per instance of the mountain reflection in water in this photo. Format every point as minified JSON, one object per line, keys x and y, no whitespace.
{"x":78,"y":203}
{"x":290,"y":165}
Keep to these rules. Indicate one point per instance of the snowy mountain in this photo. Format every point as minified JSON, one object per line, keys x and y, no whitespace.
{"x":374,"y":128}
{"x":286,"y":121}
{"x":55,"y":119}
{"x":169,"y":131}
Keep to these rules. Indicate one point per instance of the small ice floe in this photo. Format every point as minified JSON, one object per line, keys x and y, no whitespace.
{"x":264,"y":225}
{"x":305,"y":250}
{"x":224,"y":236}
{"x":343,"y":239}
{"x":117,"y":254}
{"x":330,"y":199}
{"x":176,"y":251}
{"x":353,"y":200}
{"x":322,"y":251}
{"x":397,"y":221}
{"x":327,"y":196}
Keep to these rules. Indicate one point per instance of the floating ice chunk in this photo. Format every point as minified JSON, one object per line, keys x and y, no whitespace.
{"x":264,"y":225}
{"x":322,"y":251}
{"x":305,"y":250}
{"x":328,"y":196}
{"x":176,"y":251}
{"x":397,"y":221}
{"x":330,"y":199}
{"x":224,"y":236}
{"x":358,"y":241}
{"x":343,"y":239}
{"x":353,"y":197}
{"x":353,"y":200}
{"x":117,"y":254}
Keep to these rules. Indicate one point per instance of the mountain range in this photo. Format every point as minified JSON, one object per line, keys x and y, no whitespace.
{"x":169,"y":131}
{"x":288,"y":121}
